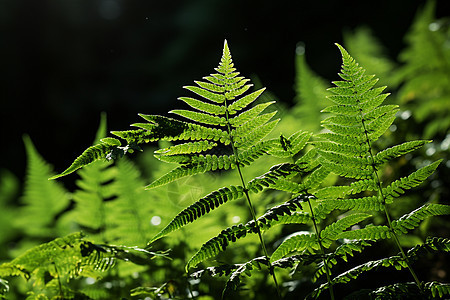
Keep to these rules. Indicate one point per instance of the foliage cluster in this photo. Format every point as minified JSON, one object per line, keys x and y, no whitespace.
{"x":272,"y":210}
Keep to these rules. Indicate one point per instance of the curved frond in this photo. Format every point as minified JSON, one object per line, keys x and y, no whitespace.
{"x":271,"y":177}
{"x":42,"y":200}
{"x":393,"y":261}
{"x":299,"y":241}
{"x":244,"y":101}
{"x":398,"y":151}
{"x":413,"y":219}
{"x":370,"y":232}
{"x":332,"y":231}
{"x":187,"y":148}
{"x":281,"y":214}
{"x":399,"y":186}
{"x":341,"y":252}
{"x":198,"y":164}
{"x":248,"y":139}
{"x":204,"y":106}
{"x":243,"y":270}
{"x":90,"y":155}
{"x":200,"y":117}
{"x":337,"y":192}
{"x":200,"y":208}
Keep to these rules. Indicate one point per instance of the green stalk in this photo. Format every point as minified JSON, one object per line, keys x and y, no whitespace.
{"x":388,"y":218}
{"x":322,"y":249}
{"x":250,"y":205}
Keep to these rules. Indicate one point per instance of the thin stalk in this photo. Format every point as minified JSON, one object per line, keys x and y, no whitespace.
{"x":388,"y":219}
{"x":322,"y":249}
{"x":250,"y":205}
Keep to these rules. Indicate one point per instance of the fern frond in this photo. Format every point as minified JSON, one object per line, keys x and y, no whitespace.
{"x":204,"y":106}
{"x":399,"y":186}
{"x":198,"y":164}
{"x":412,"y":220}
{"x":332,"y":231}
{"x":393,"y":261}
{"x":200,"y":208}
{"x":341,"y":252}
{"x":286,"y":148}
{"x":437,"y":288}
{"x":337,"y":192}
{"x":281,"y":214}
{"x":90,"y":155}
{"x":245,"y":269}
{"x":299,"y":241}
{"x":349,"y":172}
{"x":432,"y":244}
{"x":187,"y":148}
{"x":370,"y":232}
{"x":398,"y":151}
{"x":200,"y":117}
{"x":42,"y":199}
{"x":254,"y":136}
{"x":244,"y":101}
{"x":271,"y":177}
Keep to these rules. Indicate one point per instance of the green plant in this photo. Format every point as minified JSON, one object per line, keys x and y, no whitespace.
{"x":226,"y":133}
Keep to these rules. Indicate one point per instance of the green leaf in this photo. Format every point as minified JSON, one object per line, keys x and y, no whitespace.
{"x":200,"y":208}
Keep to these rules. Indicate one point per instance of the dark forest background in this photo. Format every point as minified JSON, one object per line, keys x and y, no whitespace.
{"x":65,"y":62}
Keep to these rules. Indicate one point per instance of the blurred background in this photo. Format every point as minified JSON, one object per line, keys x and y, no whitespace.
{"x":65,"y":62}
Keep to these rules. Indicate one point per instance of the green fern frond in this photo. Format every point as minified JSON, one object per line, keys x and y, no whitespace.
{"x":412,"y":220}
{"x":281,"y":214}
{"x":68,"y":257}
{"x":186,"y":148}
{"x":299,"y":241}
{"x":370,"y":232}
{"x":314,"y":179}
{"x":332,"y":231}
{"x":254,"y":136}
{"x":341,"y":252}
{"x":42,"y":199}
{"x":399,"y":186}
{"x":200,"y":208}
{"x":311,"y":93}
{"x":357,"y":120}
{"x":248,"y":115}
{"x":393,"y":261}
{"x":90,"y":155}
{"x":245,"y":269}
{"x":94,"y":186}
{"x":244,"y":101}
{"x":198,"y":164}
{"x":126,"y":215}
{"x":437,"y":288}
{"x":337,"y":192}
{"x":398,"y":151}
{"x":204,"y":106}
{"x":200,"y":117}
{"x":432,"y":244}
{"x":271,"y":177}
{"x":62,"y":256}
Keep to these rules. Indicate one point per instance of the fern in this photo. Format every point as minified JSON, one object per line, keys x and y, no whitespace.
{"x":201,"y":207}
{"x":425,"y":82}
{"x":281,"y":214}
{"x":356,"y":121}
{"x":69,"y":257}
{"x":43,"y":200}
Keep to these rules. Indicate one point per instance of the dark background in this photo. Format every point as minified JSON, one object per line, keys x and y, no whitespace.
{"x":64,"y":62}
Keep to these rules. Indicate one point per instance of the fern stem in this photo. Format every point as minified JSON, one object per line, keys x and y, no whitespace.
{"x":388,"y":218}
{"x":250,"y":205}
{"x":322,"y":250}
